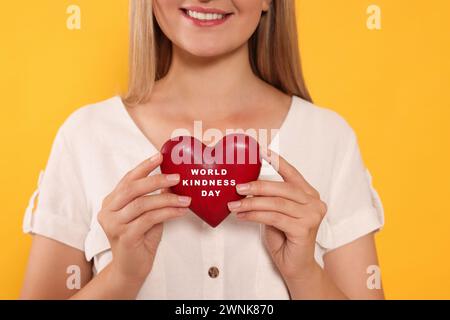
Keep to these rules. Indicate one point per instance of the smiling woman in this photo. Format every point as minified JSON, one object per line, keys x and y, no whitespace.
{"x":302,"y":230}
{"x":269,"y":28}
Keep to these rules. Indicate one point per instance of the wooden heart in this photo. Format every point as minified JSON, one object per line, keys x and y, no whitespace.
{"x":209,"y":175}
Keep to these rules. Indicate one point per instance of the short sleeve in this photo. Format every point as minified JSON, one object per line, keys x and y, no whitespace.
{"x":57,"y":209}
{"x":354,"y":206}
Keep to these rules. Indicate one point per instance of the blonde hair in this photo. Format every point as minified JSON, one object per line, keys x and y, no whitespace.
{"x":273,"y":51}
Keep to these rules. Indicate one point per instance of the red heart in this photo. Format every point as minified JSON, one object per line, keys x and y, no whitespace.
{"x":213,"y":170}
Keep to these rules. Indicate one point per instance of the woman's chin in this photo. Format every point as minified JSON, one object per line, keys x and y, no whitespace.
{"x":207,"y":54}
{"x":208,"y":51}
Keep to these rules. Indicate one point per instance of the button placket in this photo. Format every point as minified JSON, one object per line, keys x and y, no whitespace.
{"x":213,"y":262}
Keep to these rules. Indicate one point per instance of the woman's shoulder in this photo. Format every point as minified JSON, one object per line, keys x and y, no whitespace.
{"x":91,"y":116}
{"x":320,"y":121}
{"x":93,"y":126}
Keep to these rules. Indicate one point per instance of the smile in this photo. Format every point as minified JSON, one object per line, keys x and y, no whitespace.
{"x":205,"y":17}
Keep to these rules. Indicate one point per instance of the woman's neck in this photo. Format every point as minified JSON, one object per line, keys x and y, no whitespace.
{"x":221,"y":85}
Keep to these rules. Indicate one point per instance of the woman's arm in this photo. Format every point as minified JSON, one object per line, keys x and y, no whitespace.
{"x":344,"y":274}
{"x":50,"y":275}
{"x":348,"y":265}
{"x":46,"y":276}
{"x":133,"y":222}
{"x":292,"y":211}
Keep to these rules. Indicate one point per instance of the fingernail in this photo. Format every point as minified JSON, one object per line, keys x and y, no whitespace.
{"x":184,"y":200}
{"x":183,"y":210}
{"x":173,"y":177}
{"x":243,"y":187}
{"x":234,"y":205}
{"x":155,"y":157}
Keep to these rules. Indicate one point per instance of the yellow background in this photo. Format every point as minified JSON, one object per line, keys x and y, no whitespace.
{"x":392,"y":85}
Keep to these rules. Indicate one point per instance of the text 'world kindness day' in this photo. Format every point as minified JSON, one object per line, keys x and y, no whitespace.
{"x":203,"y":182}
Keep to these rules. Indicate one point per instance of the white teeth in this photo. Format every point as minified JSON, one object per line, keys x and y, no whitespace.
{"x":205,"y":16}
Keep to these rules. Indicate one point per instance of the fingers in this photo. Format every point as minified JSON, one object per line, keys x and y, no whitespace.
{"x":127,"y":192}
{"x":284,"y":223}
{"x":274,"y":188}
{"x":164,"y":190}
{"x":287,"y":171}
{"x":143,"y":169}
{"x":281,"y":205}
{"x":146,"y":221}
{"x":151,"y":202}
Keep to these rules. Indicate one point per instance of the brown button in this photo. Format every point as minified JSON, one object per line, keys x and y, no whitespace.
{"x":213,"y":272}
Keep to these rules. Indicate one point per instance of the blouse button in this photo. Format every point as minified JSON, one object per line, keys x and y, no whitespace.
{"x":213,"y":272}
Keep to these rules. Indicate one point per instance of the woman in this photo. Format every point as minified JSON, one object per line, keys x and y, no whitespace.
{"x":104,"y":210}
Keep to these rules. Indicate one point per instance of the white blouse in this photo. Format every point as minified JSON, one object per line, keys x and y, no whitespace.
{"x":100,"y":142}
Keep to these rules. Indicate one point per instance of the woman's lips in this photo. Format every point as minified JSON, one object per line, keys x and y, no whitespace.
{"x":205,"y":17}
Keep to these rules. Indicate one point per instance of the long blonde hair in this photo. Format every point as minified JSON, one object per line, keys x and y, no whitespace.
{"x":273,"y":51}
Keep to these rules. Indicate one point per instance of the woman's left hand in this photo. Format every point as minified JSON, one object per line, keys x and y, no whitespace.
{"x":291,"y":211}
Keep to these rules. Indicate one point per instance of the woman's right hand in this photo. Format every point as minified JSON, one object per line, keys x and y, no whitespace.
{"x":133,"y":220}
